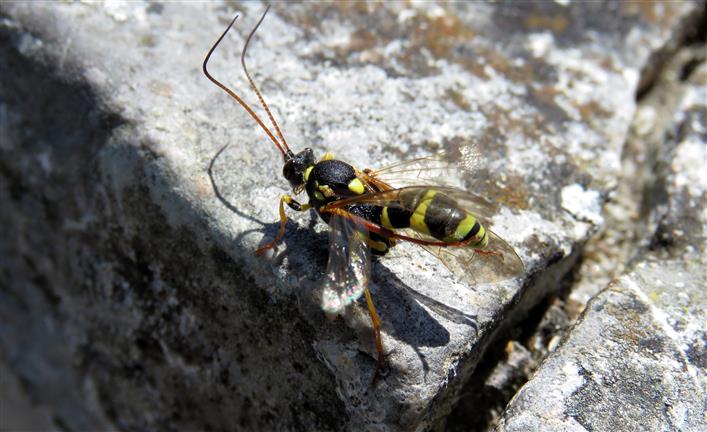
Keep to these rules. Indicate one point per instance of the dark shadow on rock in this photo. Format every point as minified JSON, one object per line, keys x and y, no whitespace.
{"x":410,"y":322}
{"x":218,"y":194}
{"x":402,"y":310}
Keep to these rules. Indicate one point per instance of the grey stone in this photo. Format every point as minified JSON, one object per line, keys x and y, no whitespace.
{"x":131,"y":297}
{"x":681,"y":193}
{"x":641,"y":198}
{"x":636,"y":358}
{"x":17,"y":411}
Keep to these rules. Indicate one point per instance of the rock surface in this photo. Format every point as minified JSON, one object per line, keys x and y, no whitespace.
{"x":131,"y":297}
{"x":636,"y":358}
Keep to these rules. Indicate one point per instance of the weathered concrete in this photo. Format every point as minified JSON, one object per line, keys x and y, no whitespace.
{"x":131,"y":296}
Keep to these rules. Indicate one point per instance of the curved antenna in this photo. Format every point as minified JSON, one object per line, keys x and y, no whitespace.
{"x":285,"y":151}
{"x":252,"y":83}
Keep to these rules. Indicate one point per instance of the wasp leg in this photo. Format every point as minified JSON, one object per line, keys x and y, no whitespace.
{"x":294,"y":205}
{"x":379,"y":340}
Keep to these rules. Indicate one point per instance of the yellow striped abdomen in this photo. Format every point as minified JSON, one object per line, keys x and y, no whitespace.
{"x":435,"y":214}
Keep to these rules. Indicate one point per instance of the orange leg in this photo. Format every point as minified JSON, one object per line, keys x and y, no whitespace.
{"x":375,"y":320}
{"x":294,"y":205}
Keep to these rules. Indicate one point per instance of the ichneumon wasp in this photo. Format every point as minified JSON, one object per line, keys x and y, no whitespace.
{"x":367,"y":214}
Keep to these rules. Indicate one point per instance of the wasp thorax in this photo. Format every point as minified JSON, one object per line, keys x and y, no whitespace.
{"x":295,"y":167}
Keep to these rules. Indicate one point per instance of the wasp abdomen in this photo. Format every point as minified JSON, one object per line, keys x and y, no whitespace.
{"x":436,"y":214}
{"x":379,"y":245}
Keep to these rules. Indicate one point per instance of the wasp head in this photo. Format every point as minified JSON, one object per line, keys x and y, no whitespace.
{"x":295,"y":166}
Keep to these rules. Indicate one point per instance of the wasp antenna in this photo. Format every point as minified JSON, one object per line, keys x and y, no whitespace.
{"x":252,"y":83}
{"x":235,"y":96}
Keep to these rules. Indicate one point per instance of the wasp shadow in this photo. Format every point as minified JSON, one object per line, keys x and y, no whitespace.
{"x":220,"y":196}
{"x":409,"y":320}
{"x":268,"y":229}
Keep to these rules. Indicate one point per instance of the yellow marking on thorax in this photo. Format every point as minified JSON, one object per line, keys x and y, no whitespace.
{"x":307,"y":172}
{"x":327,"y":156}
{"x":326,"y":190}
{"x":417,"y":220}
{"x":356,"y":186}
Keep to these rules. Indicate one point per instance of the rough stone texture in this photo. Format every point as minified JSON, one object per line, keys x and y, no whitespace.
{"x":131,"y":298}
{"x":17,"y":411}
{"x":633,"y":211}
{"x":636,"y":358}
{"x":681,"y":193}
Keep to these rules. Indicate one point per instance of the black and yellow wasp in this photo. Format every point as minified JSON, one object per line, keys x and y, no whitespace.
{"x":367,"y":214}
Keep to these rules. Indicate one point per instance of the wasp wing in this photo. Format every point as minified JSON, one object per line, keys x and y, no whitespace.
{"x":496,"y":262}
{"x":401,"y":198}
{"x":349,"y":265}
{"x":443,"y":168}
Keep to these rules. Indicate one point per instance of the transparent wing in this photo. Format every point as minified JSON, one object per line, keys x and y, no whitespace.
{"x":495,"y":263}
{"x":349,"y":264}
{"x":444,"y":168}
{"x":403,"y":198}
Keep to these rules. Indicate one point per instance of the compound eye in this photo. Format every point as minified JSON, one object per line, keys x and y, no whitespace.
{"x":288,"y":171}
